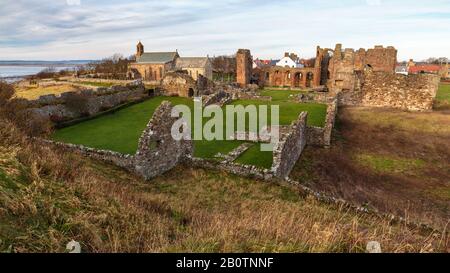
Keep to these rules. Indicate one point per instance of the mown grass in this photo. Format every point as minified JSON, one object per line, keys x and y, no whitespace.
{"x":281,"y":95}
{"x":120,"y":131}
{"x":442,"y":101}
{"x":52,"y":197}
{"x":289,"y":111}
{"x":254,"y":156}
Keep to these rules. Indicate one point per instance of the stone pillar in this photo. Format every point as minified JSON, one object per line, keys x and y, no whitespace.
{"x":243,"y":67}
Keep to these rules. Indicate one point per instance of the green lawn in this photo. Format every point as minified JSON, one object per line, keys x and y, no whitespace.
{"x":289,"y":111}
{"x":254,"y":156}
{"x":443,"y":96}
{"x":280,"y":95}
{"x":120,"y":131}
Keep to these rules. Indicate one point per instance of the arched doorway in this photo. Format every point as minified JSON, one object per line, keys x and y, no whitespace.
{"x":309,"y":78}
{"x":297,"y":79}
{"x":191,"y":92}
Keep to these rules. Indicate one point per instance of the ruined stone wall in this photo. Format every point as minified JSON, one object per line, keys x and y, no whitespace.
{"x":178,"y":84}
{"x":57,"y":108}
{"x":412,"y":92}
{"x":157,"y":151}
{"x":244,"y":63}
{"x":346,"y":66}
{"x":290,"y":77}
{"x":125,"y":161}
{"x":220,"y":98}
{"x":319,"y":136}
{"x":288,"y":150}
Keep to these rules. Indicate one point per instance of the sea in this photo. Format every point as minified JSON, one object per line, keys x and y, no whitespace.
{"x":12,"y":71}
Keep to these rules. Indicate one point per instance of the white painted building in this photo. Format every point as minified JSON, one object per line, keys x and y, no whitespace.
{"x":287,"y":61}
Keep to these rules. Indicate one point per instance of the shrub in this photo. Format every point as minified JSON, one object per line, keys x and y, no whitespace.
{"x":15,"y":110}
{"x":78,"y":103}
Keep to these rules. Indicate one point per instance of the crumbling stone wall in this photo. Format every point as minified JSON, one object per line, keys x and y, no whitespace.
{"x":289,"y":147}
{"x":178,"y":84}
{"x":244,"y":64}
{"x":58,"y":108}
{"x":368,"y":78}
{"x":158,"y":152}
{"x":306,"y":77}
{"x":125,"y":161}
{"x":220,"y":98}
{"x":322,"y":136}
{"x":346,"y":66}
{"x":412,"y":92}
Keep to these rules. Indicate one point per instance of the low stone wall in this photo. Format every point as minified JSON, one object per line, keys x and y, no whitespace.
{"x":238,"y":169}
{"x":289,"y":147}
{"x":319,"y":97}
{"x":383,"y":89}
{"x":412,"y":92}
{"x":220,"y":98}
{"x":89,"y":102}
{"x":125,"y":161}
{"x":250,"y":96}
{"x":322,"y":136}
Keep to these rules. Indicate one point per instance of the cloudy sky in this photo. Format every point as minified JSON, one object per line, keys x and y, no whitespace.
{"x":88,"y":29}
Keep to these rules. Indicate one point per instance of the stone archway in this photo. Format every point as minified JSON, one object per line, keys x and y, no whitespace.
{"x":309,"y":79}
{"x":297,"y":79}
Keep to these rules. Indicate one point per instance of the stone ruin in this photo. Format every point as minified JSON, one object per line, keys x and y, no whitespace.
{"x":77,"y":104}
{"x":288,"y":150}
{"x":158,"y":152}
{"x":182,"y":85}
{"x":244,"y":64}
{"x":368,"y":78}
{"x":362,"y":77}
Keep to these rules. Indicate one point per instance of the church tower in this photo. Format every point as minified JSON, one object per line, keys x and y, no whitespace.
{"x":140,"y":50}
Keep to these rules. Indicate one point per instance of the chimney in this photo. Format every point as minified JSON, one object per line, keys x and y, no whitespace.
{"x":286,"y":54}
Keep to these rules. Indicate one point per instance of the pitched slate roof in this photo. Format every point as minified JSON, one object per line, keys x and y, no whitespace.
{"x":157,"y":57}
{"x":191,"y":62}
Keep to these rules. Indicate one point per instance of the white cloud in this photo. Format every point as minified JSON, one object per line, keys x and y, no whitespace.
{"x":73,"y":2}
{"x":35,"y":29}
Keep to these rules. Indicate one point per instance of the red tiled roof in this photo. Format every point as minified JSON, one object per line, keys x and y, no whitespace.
{"x":424,"y":68}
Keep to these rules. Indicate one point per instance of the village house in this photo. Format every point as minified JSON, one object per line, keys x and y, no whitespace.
{"x":152,"y":66}
{"x":290,"y":60}
{"x":421,"y":68}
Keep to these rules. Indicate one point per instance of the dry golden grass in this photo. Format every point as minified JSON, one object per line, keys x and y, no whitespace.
{"x":46,"y":202}
{"x":32,"y":93}
{"x":390,"y":160}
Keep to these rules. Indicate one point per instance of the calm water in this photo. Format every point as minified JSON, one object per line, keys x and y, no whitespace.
{"x":20,"y":70}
